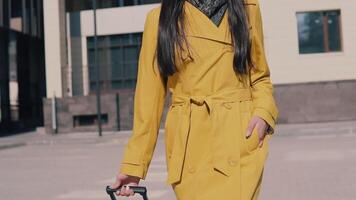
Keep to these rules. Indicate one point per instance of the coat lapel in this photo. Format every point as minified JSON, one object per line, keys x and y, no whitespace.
{"x":200,"y":26}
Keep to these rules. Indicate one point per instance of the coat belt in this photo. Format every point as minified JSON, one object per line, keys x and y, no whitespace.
{"x":221,"y":155}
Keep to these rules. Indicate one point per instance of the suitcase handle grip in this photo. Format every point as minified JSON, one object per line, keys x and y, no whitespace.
{"x":136,"y":189}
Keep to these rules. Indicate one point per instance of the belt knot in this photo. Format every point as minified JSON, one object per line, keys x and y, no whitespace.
{"x":198,"y":100}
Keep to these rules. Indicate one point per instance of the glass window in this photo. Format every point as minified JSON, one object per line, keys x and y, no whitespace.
{"x":107,"y":3}
{"x":117,"y":59}
{"x":78,"y":5}
{"x":23,"y":16}
{"x":36,"y":26}
{"x":16,"y":20}
{"x":319,"y":31}
{"x":333,"y":21}
{"x":13,"y":78}
{"x":2,"y":13}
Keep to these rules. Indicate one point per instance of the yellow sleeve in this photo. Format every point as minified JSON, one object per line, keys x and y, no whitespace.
{"x":262,"y":88}
{"x":149,"y":100}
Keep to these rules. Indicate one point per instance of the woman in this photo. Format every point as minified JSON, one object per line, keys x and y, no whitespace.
{"x":222,"y":113}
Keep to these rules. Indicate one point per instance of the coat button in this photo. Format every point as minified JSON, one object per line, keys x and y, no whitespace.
{"x":232,"y":161}
{"x":191,"y":170}
{"x":227,"y":105}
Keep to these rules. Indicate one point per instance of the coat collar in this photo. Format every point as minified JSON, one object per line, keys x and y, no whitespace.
{"x":214,"y":9}
{"x":199,"y":25}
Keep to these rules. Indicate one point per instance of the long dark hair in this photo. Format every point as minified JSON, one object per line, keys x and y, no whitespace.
{"x":171,"y":35}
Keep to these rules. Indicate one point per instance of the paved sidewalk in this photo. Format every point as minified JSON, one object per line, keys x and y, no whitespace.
{"x":306,"y":161}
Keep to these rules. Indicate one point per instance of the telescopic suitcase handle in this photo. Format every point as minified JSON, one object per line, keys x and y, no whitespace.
{"x":136,"y":189}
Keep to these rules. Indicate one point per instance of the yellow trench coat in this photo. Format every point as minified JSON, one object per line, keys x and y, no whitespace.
{"x":207,"y":154}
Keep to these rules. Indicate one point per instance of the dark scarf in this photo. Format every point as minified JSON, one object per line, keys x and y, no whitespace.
{"x":214,"y":9}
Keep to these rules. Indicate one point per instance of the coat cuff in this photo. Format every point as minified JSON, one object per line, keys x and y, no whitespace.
{"x":265,"y":115}
{"x":133,"y":170}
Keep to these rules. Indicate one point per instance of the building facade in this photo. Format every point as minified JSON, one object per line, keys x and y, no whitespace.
{"x":22,"y":65}
{"x":310,"y":49}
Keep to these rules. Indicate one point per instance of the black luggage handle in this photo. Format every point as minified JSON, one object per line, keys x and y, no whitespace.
{"x":136,"y":189}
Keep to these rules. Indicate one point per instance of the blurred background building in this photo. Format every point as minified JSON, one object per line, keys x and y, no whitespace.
{"x":69,"y":30}
{"x":311,"y":49}
{"x":310,"y":46}
{"x":22,"y":65}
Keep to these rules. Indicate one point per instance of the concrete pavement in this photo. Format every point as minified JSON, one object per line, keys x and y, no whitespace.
{"x":306,"y":161}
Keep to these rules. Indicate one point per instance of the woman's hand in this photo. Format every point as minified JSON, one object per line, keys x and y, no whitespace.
{"x":122,"y":180}
{"x":261,"y":125}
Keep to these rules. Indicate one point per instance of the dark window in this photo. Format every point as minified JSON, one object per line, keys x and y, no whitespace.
{"x":319,"y":31}
{"x":23,"y":16}
{"x":16,"y":8}
{"x":117,"y":60}
{"x":78,"y":5}
{"x":89,"y":120}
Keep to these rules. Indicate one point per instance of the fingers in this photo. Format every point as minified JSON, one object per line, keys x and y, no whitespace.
{"x":116,"y":184}
{"x":118,"y":192}
{"x":124,"y":181}
{"x":250,"y":127}
{"x":260,"y":144}
{"x":126,"y":191}
{"x":261,"y":126}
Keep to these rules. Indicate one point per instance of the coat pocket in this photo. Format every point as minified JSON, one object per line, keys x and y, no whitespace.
{"x":251,"y":143}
